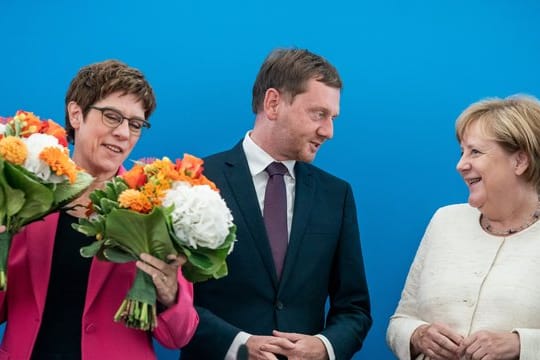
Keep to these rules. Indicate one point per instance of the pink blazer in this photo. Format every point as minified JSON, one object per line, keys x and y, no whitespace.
{"x":22,"y":304}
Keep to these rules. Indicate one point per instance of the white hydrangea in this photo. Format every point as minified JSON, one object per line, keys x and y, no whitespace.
{"x":35,"y":144}
{"x":2,"y":129}
{"x":200,"y":216}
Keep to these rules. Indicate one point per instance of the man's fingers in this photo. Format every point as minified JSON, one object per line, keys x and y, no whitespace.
{"x":281,"y":343}
{"x":287,"y":335}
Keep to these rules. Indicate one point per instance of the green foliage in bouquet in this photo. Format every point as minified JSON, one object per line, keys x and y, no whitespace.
{"x":136,"y":213}
{"x":37,"y":177}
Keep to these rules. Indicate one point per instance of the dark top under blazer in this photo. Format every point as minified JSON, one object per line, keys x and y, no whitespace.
{"x":323,"y":259}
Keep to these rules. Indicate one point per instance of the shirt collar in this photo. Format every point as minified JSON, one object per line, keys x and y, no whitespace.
{"x":258,"y":159}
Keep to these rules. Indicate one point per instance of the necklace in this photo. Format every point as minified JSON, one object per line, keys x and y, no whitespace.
{"x":531,"y":220}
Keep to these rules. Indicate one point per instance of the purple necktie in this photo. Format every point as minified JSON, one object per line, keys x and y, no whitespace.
{"x":275,"y":213}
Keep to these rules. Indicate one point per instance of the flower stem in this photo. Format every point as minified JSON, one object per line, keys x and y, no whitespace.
{"x":138,"y":310}
{"x":5,"y":242}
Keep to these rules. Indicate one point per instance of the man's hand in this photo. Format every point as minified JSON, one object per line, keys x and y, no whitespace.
{"x":296,"y":346}
{"x":255,"y":347}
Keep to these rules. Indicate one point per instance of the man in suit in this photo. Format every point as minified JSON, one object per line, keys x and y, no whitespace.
{"x":272,"y":303}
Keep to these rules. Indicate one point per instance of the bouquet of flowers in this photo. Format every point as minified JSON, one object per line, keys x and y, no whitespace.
{"x":160,"y":208}
{"x":37,"y":176}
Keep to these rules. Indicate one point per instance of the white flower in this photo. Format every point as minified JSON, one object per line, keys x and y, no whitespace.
{"x":2,"y":129}
{"x":200,"y":216}
{"x":35,"y":144}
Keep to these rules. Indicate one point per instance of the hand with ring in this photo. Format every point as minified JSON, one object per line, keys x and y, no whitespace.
{"x":164,"y":275}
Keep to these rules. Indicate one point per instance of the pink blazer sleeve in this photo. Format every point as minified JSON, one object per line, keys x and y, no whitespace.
{"x":177,"y":324}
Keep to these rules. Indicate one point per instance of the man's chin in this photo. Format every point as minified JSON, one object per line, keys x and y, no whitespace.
{"x":307,"y":158}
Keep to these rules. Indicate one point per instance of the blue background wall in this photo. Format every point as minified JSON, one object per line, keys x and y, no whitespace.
{"x":410,"y":67}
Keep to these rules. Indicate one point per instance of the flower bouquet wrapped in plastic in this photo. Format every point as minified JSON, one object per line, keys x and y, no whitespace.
{"x":160,"y":208}
{"x":37,"y":177}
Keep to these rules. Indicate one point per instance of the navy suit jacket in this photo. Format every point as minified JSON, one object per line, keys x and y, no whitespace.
{"x":323,"y":260}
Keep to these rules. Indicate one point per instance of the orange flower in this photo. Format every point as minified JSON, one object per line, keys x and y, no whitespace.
{"x":13,"y":150}
{"x":31,"y":123}
{"x":155,"y":190}
{"x":50,"y":127}
{"x":190,"y":165}
{"x":135,"y":200}
{"x":201,"y":180}
{"x":135,"y":177}
{"x":59,"y":162}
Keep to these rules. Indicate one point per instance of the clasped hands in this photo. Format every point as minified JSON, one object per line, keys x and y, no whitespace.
{"x":439,"y":342}
{"x":292,"y":345}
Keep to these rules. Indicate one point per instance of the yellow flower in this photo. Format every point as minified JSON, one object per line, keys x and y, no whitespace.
{"x":135,"y":200}
{"x":163,"y":167}
{"x":155,"y":191}
{"x":13,"y":150}
{"x":59,"y":162}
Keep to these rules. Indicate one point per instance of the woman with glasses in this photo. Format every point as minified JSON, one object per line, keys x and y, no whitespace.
{"x":59,"y":305}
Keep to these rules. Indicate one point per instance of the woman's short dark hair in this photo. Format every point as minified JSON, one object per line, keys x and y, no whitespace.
{"x":97,"y":81}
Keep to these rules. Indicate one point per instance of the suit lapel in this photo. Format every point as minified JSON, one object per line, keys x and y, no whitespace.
{"x":238,"y":176}
{"x":303,"y":203}
{"x":99,"y":271}
{"x":40,"y":243}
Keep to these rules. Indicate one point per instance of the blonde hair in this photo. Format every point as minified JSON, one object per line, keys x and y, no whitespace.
{"x":513,"y":122}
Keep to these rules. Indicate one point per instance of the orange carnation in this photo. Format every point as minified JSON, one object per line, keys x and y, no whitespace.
{"x":135,"y":200}
{"x":59,"y":162}
{"x":155,"y":190}
{"x":13,"y":149}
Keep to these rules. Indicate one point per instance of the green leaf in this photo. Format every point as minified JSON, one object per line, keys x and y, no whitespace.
{"x":193,"y":274}
{"x":11,"y":200}
{"x":140,"y":232}
{"x":86,"y":227}
{"x":200,"y":260}
{"x":203,"y":263}
{"x":117,"y":255}
{"x":91,"y":250}
{"x":38,"y":197}
{"x":96,"y":195}
{"x":66,"y":192}
{"x":106,"y":205}
{"x":114,"y":188}
{"x":222,"y":271}
{"x":5,"y":243}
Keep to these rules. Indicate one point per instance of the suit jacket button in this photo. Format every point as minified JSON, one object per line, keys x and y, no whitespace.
{"x":279,"y":305}
{"x":90,"y":328}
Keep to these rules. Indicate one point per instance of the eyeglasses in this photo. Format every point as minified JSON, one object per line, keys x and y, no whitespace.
{"x":113,"y":119}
